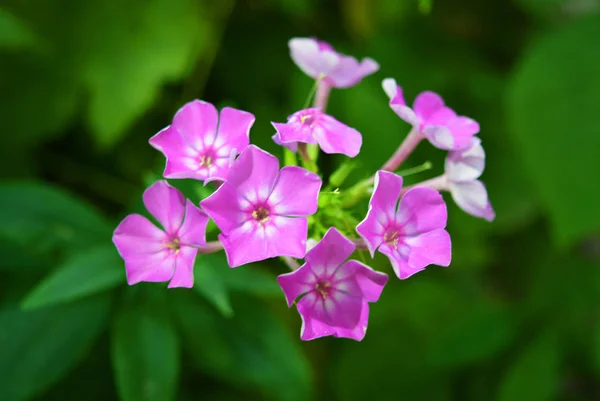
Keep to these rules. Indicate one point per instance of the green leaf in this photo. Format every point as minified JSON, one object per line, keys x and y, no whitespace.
{"x":145,"y":354}
{"x":534,"y":375}
{"x":132,"y":53}
{"x":552,"y":107}
{"x":38,"y":347}
{"x":479,"y":334}
{"x":252,"y":350}
{"x":85,"y":273}
{"x":208,"y":282}
{"x":40,"y":216}
{"x":13,"y":32}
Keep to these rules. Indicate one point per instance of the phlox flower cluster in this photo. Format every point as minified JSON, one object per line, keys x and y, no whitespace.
{"x":265,"y":210}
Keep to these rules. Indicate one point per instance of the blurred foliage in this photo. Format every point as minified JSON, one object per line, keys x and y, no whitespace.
{"x":85,"y":84}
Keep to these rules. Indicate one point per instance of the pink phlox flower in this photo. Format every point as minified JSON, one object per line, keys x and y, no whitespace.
{"x":463,"y":168}
{"x":313,"y":126}
{"x":200,"y":143}
{"x":437,"y":122}
{"x":156,"y":255}
{"x":319,"y":59}
{"x":261,"y":210}
{"x":410,"y":234}
{"x":334,"y":293}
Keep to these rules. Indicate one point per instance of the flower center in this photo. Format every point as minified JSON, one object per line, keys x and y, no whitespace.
{"x":205,"y":161}
{"x":307,"y":119}
{"x":391,"y":238}
{"x":174,"y":245}
{"x":261,"y":214}
{"x":322,"y":287}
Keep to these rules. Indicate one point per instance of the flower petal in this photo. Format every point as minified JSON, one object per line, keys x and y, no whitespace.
{"x":294,"y":131}
{"x":166,"y":204}
{"x":463,"y":129}
{"x":296,"y":192}
{"x":335,"y":137}
{"x":466,"y":164}
{"x":421,"y":210}
{"x":432,"y":248}
{"x":370,"y":282}
{"x":440,"y":136}
{"x":184,"y":268}
{"x":182,"y":159}
{"x":234,"y":130}
{"x":224,"y":206}
{"x":329,"y":253}
{"x":193,"y":229}
{"x":427,"y":104}
{"x":136,"y":235}
{"x":254,"y":173}
{"x":310,"y":58}
{"x":293,"y":146}
{"x":313,"y":328}
{"x":154,"y":267}
{"x":472,"y":197}
{"x":296,"y":283}
{"x":397,"y":102}
{"x":349,"y":71}
{"x":197,"y":122}
{"x":398,"y":258}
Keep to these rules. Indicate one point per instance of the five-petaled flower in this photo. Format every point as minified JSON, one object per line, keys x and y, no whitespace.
{"x":412,"y":234}
{"x":200,"y":144}
{"x":313,"y":126}
{"x":318,"y":59}
{"x":463,"y":168}
{"x":261,"y":210}
{"x":154,"y":255}
{"x":431,"y":118}
{"x":334,"y":294}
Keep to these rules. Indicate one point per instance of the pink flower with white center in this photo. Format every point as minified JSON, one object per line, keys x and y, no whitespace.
{"x":200,"y":144}
{"x":261,"y":210}
{"x":410,"y":234}
{"x":318,"y":59}
{"x":313,"y":126}
{"x":463,"y":168}
{"x":154,"y":255}
{"x":334,"y":294}
{"x":435,"y":121}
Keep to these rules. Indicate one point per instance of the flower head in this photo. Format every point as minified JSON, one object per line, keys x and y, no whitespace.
{"x":463,"y":168}
{"x":437,"y":122}
{"x":412,"y":234}
{"x":155,"y":255}
{"x":318,"y":59}
{"x":261,"y":210}
{"x":313,"y":126}
{"x":200,"y":144}
{"x":335,"y":294}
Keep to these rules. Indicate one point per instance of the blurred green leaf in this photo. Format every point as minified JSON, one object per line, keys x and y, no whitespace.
{"x":552,"y":108}
{"x":13,"y":32}
{"x":596,"y":343}
{"x":145,"y":354}
{"x":480,"y":333}
{"x":535,"y":374}
{"x":133,"y":52}
{"x":17,"y":257}
{"x":252,"y":350}
{"x":85,"y":273}
{"x":38,"y":347}
{"x":41,"y":216}
{"x":209,"y":283}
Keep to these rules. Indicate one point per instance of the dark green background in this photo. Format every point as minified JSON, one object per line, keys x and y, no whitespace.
{"x":84,"y":84}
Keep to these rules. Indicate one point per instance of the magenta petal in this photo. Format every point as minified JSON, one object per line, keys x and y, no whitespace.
{"x":440,"y":136}
{"x":398,"y":259}
{"x":311,"y":59}
{"x":463,"y":129}
{"x":296,"y":192}
{"x":136,"y":235}
{"x":224,"y":206}
{"x":330,"y":252}
{"x":422,"y":210}
{"x":349,"y":71}
{"x":432,"y":248}
{"x":184,"y":268}
{"x":197,"y":122}
{"x":155,"y":267}
{"x":182,"y":159}
{"x":313,"y":328}
{"x":335,"y":137}
{"x":393,"y":91}
{"x":296,"y":283}
{"x":371,"y":282}
{"x":295,"y":131}
{"x":234,"y":130}
{"x":472,"y":197}
{"x":427,"y":104}
{"x":466,"y":164}
{"x":293,"y":146}
{"x":166,"y":204}
{"x":193,"y":230}
{"x":254,"y":173}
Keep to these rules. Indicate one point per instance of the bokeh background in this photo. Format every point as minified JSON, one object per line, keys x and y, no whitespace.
{"x":83,"y":86}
